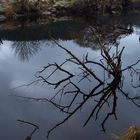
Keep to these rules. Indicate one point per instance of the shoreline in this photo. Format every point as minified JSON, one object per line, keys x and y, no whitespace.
{"x":14,"y":10}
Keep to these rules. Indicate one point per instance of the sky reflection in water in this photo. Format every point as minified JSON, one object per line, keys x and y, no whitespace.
{"x":15,"y":72}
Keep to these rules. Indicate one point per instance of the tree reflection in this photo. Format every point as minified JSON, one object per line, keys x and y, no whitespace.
{"x":29,"y":137}
{"x":104,"y":90}
{"x":26,"y":49}
{"x":108,"y":35}
{"x":69,"y":97}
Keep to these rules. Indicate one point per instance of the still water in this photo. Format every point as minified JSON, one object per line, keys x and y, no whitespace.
{"x":27,"y":46}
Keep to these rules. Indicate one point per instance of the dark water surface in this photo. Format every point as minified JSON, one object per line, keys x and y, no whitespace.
{"x":26,"y":49}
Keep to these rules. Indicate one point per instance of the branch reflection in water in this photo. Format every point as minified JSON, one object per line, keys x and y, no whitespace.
{"x":69,"y":97}
{"x":29,"y":137}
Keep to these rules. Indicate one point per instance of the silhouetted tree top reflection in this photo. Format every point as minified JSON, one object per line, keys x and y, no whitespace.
{"x":26,"y":49}
{"x":104,"y":92}
{"x":108,"y":35}
{"x":28,"y":39}
{"x":70,"y":29}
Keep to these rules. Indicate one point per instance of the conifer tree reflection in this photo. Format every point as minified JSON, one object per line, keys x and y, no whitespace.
{"x":26,"y":49}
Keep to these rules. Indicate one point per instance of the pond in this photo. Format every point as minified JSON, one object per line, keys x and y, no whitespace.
{"x":27,"y":46}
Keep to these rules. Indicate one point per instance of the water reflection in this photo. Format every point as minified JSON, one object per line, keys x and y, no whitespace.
{"x":71,"y":35}
{"x":109,"y":35}
{"x":29,"y":137}
{"x":26,"y":49}
{"x":104,"y":90}
{"x":27,"y":39}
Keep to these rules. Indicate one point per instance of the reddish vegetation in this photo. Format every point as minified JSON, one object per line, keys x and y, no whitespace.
{"x":9,"y":12}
